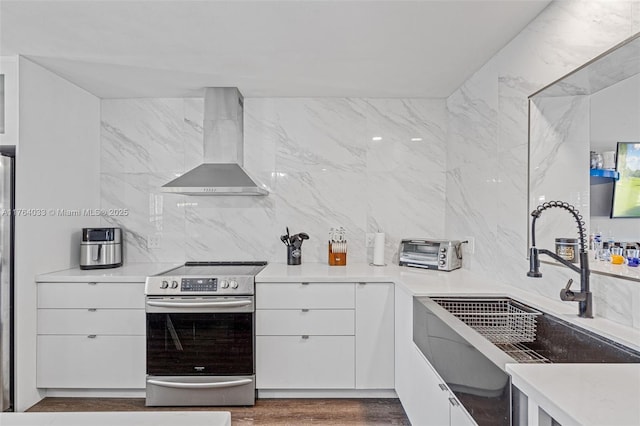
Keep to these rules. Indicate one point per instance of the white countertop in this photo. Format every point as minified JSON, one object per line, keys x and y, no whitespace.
{"x":563,"y":383}
{"x":420,"y":282}
{"x":583,"y":394}
{"x":545,"y":380}
{"x":619,"y":271}
{"x":132,"y":272}
{"x":601,"y":267}
{"x":129,"y":418}
{"x":321,"y":272}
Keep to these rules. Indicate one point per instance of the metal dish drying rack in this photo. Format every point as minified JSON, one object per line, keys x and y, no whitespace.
{"x":502,"y":321}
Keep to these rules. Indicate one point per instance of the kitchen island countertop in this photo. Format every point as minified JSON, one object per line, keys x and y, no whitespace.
{"x":122,"y":418}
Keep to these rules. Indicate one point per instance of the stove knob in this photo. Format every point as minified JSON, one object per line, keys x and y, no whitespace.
{"x":234,"y":284}
{"x":174,"y":284}
{"x":442,"y":262}
{"x":224,"y":284}
{"x":164,"y":284}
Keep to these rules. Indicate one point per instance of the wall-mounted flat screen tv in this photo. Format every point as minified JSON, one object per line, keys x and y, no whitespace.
{"x":626,"y":190}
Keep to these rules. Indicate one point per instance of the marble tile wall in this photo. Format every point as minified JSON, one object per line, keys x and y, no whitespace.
{"x":316,"y":156}
{"x":559,"y":129}
{"x":487,"y":152}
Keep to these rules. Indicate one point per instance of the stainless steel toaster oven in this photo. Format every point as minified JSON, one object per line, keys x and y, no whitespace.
{"x":443,"y":255}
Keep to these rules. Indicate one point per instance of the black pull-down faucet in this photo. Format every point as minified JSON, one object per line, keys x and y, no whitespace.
{"x":584,"y":297}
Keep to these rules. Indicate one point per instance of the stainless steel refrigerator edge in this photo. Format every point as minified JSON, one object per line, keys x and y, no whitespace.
{"x":6,"y":277}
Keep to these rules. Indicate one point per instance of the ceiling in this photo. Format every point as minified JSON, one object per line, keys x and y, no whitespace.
{"x":330,"y":48}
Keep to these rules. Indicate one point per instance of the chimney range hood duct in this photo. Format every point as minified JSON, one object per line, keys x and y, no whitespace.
{"x":222,"y":172}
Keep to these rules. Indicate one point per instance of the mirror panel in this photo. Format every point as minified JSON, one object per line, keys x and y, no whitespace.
{"x":611,"y":67}
{"x":591,"y":108}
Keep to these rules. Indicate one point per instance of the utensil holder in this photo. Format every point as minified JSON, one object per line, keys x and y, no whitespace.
{"x":337,"y":253}
{"x":294,"y":255}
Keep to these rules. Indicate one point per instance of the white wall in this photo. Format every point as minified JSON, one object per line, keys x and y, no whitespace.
{"x":487,"y":148}
{"x":316,"y":156}
{"x":615,"y":117}
{"x":57,"y":166}
{"x":9,"y":107}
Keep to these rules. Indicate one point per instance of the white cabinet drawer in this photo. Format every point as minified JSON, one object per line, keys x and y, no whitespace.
{"x":308,"y":296}
{"x":91,"y":295}
{"x":338,"y":322}
{"x":92,"y":321}
{"x":292,"y":362}
{"x":82,"y":362}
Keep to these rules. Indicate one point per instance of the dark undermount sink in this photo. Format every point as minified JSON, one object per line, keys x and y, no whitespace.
{"x":562,"y":342}
{"x":555,"y":340}
{"x":455,"y":335}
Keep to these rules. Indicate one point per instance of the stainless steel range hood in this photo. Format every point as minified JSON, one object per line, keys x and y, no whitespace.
{"x":222,"y":172}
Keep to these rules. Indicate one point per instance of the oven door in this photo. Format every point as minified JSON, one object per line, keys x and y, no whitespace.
{"x":200,"y":336}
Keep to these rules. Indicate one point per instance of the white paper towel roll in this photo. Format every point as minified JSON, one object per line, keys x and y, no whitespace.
{"x":378,"y":249}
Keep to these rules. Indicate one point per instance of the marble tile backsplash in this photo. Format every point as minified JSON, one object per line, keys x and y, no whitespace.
{"x":464,"y":159}
{"x":316,"y":156}
{"x":487,"y":171}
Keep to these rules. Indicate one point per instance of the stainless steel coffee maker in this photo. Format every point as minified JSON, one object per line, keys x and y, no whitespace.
{"x":101,"y":248}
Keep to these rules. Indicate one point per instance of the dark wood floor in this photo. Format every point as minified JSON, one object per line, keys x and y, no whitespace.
{"x":368,"y":411}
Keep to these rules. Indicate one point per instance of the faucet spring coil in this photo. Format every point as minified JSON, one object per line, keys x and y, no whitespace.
{"x":582,"y":233}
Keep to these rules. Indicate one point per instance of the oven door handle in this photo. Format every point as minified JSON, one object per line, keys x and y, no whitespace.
{"x":228,"y":304}
{"x":181,"y":385}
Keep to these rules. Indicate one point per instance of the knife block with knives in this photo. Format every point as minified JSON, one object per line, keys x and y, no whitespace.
{"x":337,"y":247}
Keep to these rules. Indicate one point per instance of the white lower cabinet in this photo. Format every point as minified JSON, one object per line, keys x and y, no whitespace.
{"x":91,"y":335}
{"x":324,"y":336}
{"x":374,"y":336}
{"x":93,"y":361}
{"x":425,"y":398}
{"x":458,"y":416}
{"x":305,"y":362}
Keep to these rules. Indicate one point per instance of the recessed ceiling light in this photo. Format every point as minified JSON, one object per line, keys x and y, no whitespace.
{"x":376,"y":138}
{"x":416,"y":139}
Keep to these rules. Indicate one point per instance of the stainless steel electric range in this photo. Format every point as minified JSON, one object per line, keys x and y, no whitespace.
{"x":200,"y":334}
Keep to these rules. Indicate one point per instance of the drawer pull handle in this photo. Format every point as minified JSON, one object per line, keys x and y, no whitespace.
{"x":179,"y":385}
{"x":92,"y":283}
{"x":92,"y":309}
{"x":454,"y":402}
{"x":442,"y":386}
{"x":305,"y":283}
{"x":305,"y":310}
{"x":305,"y":337}
{"x":91,"y":336}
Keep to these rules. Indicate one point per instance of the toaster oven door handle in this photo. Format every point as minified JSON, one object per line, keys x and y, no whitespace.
{"x":225,"y":304}
{"x":182,"y":385}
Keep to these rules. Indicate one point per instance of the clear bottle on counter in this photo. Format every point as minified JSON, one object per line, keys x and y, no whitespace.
{"x":611,"y":242}
{"x":597,"y":241}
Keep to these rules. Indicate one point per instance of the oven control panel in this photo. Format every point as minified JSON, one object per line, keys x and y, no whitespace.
{"x":199,"y":285}
{"x":161,"y":285}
